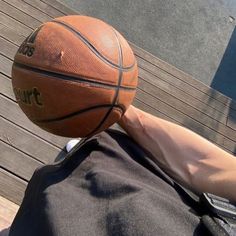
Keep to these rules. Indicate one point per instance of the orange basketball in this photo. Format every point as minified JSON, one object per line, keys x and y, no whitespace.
{"x":74,"y":76}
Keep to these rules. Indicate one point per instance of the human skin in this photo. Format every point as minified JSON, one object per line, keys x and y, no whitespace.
{"x":188,"y":158}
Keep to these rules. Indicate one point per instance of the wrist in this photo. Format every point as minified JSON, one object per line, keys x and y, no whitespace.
{"x":131,"y":119}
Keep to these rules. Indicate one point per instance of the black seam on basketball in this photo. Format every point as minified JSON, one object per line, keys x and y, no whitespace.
{"x":92,"y":47}
{"x":78,"y":113}
{"x":117,"y":89}
{"x":71,"y":78}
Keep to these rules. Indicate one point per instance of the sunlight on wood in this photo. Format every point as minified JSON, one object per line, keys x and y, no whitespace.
{"x":8,"y":211}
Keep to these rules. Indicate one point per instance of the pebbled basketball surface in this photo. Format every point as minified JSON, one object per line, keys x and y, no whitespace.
{"x":74,"y":76}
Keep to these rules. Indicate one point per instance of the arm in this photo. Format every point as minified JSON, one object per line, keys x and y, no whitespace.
{"x":188,"y":158}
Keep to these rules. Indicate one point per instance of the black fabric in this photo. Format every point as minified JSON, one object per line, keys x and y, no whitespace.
{"x":221,"y":218}
{"x":218,"y":205}
{"x":213,"y":226}
{"x":109,"y":186}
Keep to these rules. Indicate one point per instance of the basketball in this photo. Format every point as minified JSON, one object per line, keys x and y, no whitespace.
{"x":74,"y":76}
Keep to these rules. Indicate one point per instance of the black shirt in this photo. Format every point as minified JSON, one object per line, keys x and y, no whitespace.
{"x":107,"y":186}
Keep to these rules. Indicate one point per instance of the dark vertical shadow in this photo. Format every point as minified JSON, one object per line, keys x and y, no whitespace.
{"x":225,"y":79}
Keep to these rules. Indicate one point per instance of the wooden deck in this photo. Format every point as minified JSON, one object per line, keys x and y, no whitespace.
{"x":163,"y":91}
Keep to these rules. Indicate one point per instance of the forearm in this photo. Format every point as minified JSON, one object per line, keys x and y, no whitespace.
{"x":187,"y":157}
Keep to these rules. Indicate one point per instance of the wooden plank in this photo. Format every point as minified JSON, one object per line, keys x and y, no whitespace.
{"x":231,"y":122}
{"x":60,"y":7}
{"x":17,"y":162}
{"x":187,"y":121}
{"x":182,"y":104}
{"x":189,"y":111}
{"x":6,"y":87}
{"x":5,"y":65}
{"x":8,"y":211}
{"x":11,"y":111}
{"x":180,"y":95}
{"x":19,"y":15}
{"x":149,"y":109}
{"x":11,"y":35}
{"x":213,"y":94}
{"x":14,"y":24}
{"x":12,"y":187}
{"x":22,"y":140}
{"x":159,"y":74}
{"x":172,"y":101}
{"x":182,"y":85}
{"x":45,"y":8}
{"x":233,"y":105}
{"x":28,"y":9}
{"x":178,"y":73}
{"x":7,"y":48}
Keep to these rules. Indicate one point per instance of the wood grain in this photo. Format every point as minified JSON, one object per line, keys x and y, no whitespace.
{"x":11,"y":186}
{"x":28,"y":9}
{"x":19,"y":15}
{"x":231,"y":121}
{"x":7,"y":48}
{"x":179,"y":74}
{"x":184,"y":93}
{"x":215,"y":122}
{"x":188,"y":122}
{"x":185,"y":86}
{"x":8,"y":211}
{"x":28,"y":143}
{"x":11,"y":35}
{"x":60,"y":7}
{"x":17,"y":162}
{"x":6,"y":87}
{"x":45,"y":8}
{"x":14,"y":24}
{"x":5,"y":65}
{"x":11,"y":111}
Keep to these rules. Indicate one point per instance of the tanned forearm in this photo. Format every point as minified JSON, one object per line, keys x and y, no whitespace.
{"x":188,"y":158}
